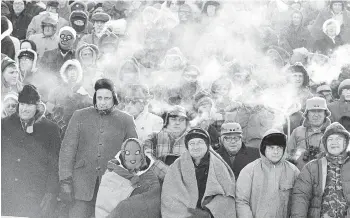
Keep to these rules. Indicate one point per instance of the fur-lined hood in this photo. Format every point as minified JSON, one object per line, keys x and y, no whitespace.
{"x":34,"y":68}
{"x":75,"y":63}
{"x":92,"y":47}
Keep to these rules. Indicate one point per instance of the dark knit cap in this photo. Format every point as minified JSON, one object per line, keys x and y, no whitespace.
{"x":197,"y":133}
{"x":273,"y":138}
{"x":29,"y":95}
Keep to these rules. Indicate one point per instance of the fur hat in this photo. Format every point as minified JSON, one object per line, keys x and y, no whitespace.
{"x":273,"y":137}
{"x":105,"y":84}
{"x":197,"y":133}
{"x":29,"y":95}
{"x":343,"y":85}
{"x":329,"y":21}
{"x":335,"y":128}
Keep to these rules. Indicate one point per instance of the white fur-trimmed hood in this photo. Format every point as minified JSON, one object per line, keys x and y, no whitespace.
{"x":68,"y":63}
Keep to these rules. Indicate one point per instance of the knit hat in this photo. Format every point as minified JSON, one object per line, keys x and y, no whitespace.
{"x":197,"y":133}
{"x":105,"y":84}
{"x":70,"y":29}
{"x":343,"y":85}
{"x":273,"y":137}
{"x":323,"y":88}
{"x":329,"y":21}
{"x":335,"y":128}
{"x":5,"y":62}
{"x":299,"y":68}
{"x":315,"y":103}
{"x":100,"y":16}
{"x":29,"y":95}
{"x":227,"y":128}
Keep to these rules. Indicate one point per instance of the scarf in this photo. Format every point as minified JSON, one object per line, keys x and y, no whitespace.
{"x":337,"y":159}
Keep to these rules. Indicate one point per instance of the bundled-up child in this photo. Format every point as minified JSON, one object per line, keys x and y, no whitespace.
{"x":129,"y":188}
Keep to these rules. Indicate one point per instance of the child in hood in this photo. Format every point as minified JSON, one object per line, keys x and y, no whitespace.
{"x":129,"y":187}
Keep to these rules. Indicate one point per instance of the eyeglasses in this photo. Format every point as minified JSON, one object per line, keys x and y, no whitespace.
{"x":133,"y":101}
{"x":231,"y":139}
{"x":66,"y":37}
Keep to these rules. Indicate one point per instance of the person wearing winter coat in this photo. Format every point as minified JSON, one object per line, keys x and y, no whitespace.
{"x":322,"y":189}
{"x":52,"y":60}
{"x":337,"y":12}
{"x":341,"y":107}
{"x":20,"y":19}
{"x":129,"y":188}
{"x":79,"y":21}
{"x":51,"y":10}
{"x":9,"y":76}
{"x":9,"y":104}
{"x":325,"y":91}
{"x":137,"y":104}
{"x":7,"y":45}
{"x":93,"y":136}
{"x":168,"y":144}
{"x":70,"y":95}
{"x":305,"y":142}
{"x":330,"y":40}
{"x":29,"y":159}
{"x":47,"y":39}
{"x":264,"y":186}
{"x":199,"y":183}
{"x":26,"y":60}
{"x":235,"y":153}
{"x":296,"y":35}
{"x":220,"y":91}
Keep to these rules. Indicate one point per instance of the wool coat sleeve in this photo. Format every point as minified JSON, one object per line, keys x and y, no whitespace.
{"x":69,"y":147}
{"x":302,"y":193}
{"x":243,"y":193}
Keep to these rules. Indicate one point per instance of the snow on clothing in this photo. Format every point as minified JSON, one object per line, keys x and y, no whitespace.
{"x":339,"y":109}
{"x":44,"y":43}
{"x":29,"y":165}
{"x":26,"y":77}
{"x":317,"y":30}
{"x":244,"y":156}
{"x":20,"y":24}
{"x":35,"y":25}
{"x":90,"y":141}
{"x":303,"y":138}
{"x":52,"y":60}
{"x":126,"y":195}
{"x":264,"y":189}
{"x":180,"y":190}
{"x":311,"y":186}
{"x":147,"y":123}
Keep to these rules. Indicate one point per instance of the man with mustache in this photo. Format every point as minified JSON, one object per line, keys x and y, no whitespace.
{"x":305,"y":141}
{"x":93,"y":137}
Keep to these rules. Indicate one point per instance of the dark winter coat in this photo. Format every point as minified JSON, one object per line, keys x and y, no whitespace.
{"x":52,"y":61}
{"x":293,"y":38}
{"x":29,"y":165}
{"x":244,"y":156}
{"x":20,"y":24}
{"x":309,"y":187}
{"x":326,"y":46}
{"x":7,"y":46}
{"x":91,"y":140}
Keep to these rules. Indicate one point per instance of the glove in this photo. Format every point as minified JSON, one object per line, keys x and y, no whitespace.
{"x":66,"y":190}
{"x":198,"y":213}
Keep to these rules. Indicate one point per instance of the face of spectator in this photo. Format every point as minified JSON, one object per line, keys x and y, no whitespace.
{"x":335,"y":144}
{"x":72,"y":74}
{"x":132,"y":156}
{"x":10,"y":75}
{"x":316,"y":117}
{"x":185,"y":14}
{"x":25,"y":64}
{"x":10,"y":106}
{"x":177,"y":124}
{"x":104,"y":99}
{"x":26,"y":45}
{"x":337,"y":7}
{"x":190,"y":76}
{"x":26,"y":111}
{"x":18,"y":6}
{"x":205,"y":109}
{"x":232,"y":142}
{"x":296,"y":19}
{"x":211,"y":10}
{"x":197,"y":148}
{"x":66,"y":40}
{"x":52,"y":9}
{"x":274,"y":153}
{"x":174,"y":6}
{"x":331,"y":30}
{"x":346,"y":94}
{"x":98,"y":26}
{"x":135,"y":106}
{"x":87,"y":57}
{"x":49,"y":30}
{"x":297,"y":79}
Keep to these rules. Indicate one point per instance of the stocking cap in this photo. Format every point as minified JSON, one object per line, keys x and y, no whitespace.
{"x":29,"y":95}
{"x":197,"y":133}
